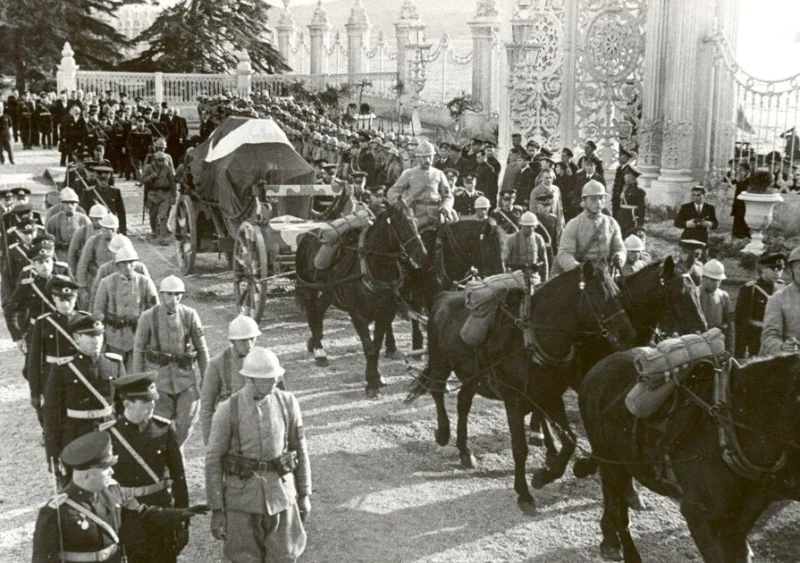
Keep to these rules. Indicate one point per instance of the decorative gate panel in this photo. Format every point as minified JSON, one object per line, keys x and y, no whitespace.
{"x":608,"y":74}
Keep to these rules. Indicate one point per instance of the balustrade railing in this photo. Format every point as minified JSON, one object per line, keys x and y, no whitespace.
{"x":134,"y":84}
{"x":184,"y":89}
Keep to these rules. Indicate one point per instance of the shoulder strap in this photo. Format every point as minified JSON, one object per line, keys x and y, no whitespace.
{"x":105,"y":526}
{"x":234,"y":415}
{"x":761,"y":289}
{"x":285,"y":414}
{"x":42,"y":295}
{"x":64,"y":333}
{"x":139,"y":459}
{"x":88,"y":385}
{"x":580,"y":255}
{"x":155,"y":338}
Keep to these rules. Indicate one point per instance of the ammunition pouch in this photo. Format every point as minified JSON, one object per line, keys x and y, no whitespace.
{"x":119,"y":322}
{"x":182,"y":361}
{"x":244,"y":467}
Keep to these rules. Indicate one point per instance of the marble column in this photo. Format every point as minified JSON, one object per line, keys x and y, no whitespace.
{"x":286,"y":29}
{"x":650,"y":128}
{"x":357,"y":38}
{"x":484,"y":27}
{"x":318,"y":30}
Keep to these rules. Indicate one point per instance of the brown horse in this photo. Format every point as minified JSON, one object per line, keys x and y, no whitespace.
{"x":722,"y":489}
{"x":363,"y":281}
{"x":569,"y":308}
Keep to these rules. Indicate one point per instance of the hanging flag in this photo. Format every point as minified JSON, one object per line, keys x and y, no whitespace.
{"x":742,"y":123}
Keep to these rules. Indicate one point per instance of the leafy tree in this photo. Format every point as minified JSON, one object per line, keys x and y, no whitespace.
{"x":33,"y":32}
{"x":206,"y":35}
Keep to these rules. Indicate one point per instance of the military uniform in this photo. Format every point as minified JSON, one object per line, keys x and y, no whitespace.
{"x":749,"y":315}
{"x":781,"y":319}
{"x":79,"y":239}
{"x":139,"y":143}
{"x":108,"y":268}
{"x":73,"y":138}
{"x":423,"y":190}
{"x":507,"y":219}
{"x":631,"y":212}
{"x":95,"y":253}
{"x":111,"y":198}
{"x":161,"y":188}
{"x":62,"y":227}
{"x":170,"y":344}
{"x":50,"y":341}
{"x":587,"y":238}
{"x":120,"y":303}
{"x":28,"y":302}
{"x":81,"y":525}
{"x":524,"y":251}
{"x":221,"y":380}
{"x":263,"y":519}
{"x":718,"y":311}
{"x":70,"y":408}
{"x":464,"y":201}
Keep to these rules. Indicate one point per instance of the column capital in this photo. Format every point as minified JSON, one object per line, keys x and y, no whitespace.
{"x":359,"y":20}
{"x":319,"y":21}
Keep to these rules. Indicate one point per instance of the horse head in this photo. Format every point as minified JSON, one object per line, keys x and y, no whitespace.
{"x":404,"y":237}
{"x":681,"y":313}
{"x":492,"y":241}
{"x":600,"y":308}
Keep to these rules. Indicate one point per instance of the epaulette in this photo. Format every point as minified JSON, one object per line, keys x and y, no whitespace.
{"x":27,"y":268}
{"x":160,"y":418}
{"x":459,"y":191}
{"x":106,"y":425}
{"x":64,"y":360}
{"x":113,"y":356}
{"x":61,"y":264}
{"x":26,"y":281}
{"x":518,"y":208}
{"x":751,"y":283}
{"x":58,"y":500}
{"x":40,"y":317}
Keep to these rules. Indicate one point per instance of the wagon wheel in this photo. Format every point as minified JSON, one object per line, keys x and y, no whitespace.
{"x":249,"y":268}
{"x":186,"y":234}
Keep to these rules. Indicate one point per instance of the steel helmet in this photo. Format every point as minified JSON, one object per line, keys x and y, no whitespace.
{"x":126,"y":254}
{"x":388,"y":145}
{"x":172,"y":284}
{"x":793,"y":255}
{"x":161,"y":143}
{"x":425,"y":149}
{"x":243,"y":328}
{"x":316,"y":136}
{"x":261,"y":363}
{"x":593,"y":187}
{"x":98,"y":211}
{"x":68,"y":195}
{"x":634,"y":244}
{"x":118,"y":241}
{"x":390,"y":136}
{"x":482,"y":203}
{"x":714,"y":269}
{"x":109,"y":221}
{"x":528,"y":219}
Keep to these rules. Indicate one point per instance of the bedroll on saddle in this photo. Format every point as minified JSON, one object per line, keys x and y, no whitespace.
{"x":331,"y":236}
{"x":482,"y":297}
{"x":669,"y":363}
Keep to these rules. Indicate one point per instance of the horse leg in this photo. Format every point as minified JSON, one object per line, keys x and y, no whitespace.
{"x":417,"y":341}
{"x":370,"y":353}
{"x":705,"y":536}
{"x":442,"y":432}
{"x":391,"y":345}
{"x":556,"y":465}
{"x":629,"y":552}
{"x":465,"y":396}
{"x":610,"y":547}
{"x":519,"y":447}
{"x":318,"y":303}
{"x":383,"y":327}
{"x":537,"y":433}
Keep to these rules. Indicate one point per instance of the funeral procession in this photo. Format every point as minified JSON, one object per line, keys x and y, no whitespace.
{"x":254,"y":254}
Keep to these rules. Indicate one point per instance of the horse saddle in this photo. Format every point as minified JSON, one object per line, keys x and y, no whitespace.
{"x":333,"y":234}
{"x":482,"y":298}
{"x":330,"y":252}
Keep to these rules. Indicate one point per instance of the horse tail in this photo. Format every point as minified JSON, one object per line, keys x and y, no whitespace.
{"x":584,"y":467}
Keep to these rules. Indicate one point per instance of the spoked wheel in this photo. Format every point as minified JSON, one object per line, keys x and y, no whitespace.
{"x":249,"y":268}
{"x":186,"y":234}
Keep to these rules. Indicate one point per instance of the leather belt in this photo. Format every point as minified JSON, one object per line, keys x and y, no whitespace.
{"x":88,"y":415}
{"x":146,"y":490}
{"x":53,"y":359}
{"x":89,"y":556}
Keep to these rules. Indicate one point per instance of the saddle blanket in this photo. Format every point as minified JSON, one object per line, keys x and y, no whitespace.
{"x":482,"y":297}
{"x":661,"y":368}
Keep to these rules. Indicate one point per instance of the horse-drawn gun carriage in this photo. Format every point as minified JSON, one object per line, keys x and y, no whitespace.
{"x":249,"y":196}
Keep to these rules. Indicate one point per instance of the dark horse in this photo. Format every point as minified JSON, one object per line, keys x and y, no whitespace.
{"x":564,"y":311}
{"x":722,"y":490}
{"x":457,"y":252}
{"x":362,"y":281}
{"x":658,"y":302}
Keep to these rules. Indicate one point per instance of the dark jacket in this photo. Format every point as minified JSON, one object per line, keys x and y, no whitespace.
{"x":689,"y":211}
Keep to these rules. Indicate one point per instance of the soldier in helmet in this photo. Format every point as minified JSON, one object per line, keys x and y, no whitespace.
{"x":79,"y":396}
{"x":63,"y":224}
{"x":633,"y":255}
{"x":84,"y":233}
{"x":715,"y":302}
{"x":50,"y":339}
{"x":169,"y":339}
{"x":95,"y":253}
{"x":102,"y":191}
{"x":752,"y":301}
{"x":160,"y":147}
{"x":507,"y":215}
{"x":161,"y":190}
{"x":481,"y":208}
{"x":590,"y":236}
{"x":781,"y":331}
{"x":424,"y":188}
{"x":527,"y":250}
{"x":148,"y":450}
{"x":256,"y":440}
{"x":222,"y":377}
{"x":118,"y":242}
{"x":139,"y":141}
{"x":120,"y":301}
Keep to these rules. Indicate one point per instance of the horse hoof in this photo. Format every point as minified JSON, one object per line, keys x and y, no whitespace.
{"x":321,"y":362}
{"x":528,"y":507}
{"x":320,"y":357}
{"x":610,"y":553}
{"x":372,"y":393}
{"x":540,"y":479}
{"x":309,"y":346}
{"x":391,"y":355}
{"x":536,"y":439}
{"x":442,"y":438}
{"x":635,"y":502}
{"x":381,"y":382}
{"x":468,"y":461}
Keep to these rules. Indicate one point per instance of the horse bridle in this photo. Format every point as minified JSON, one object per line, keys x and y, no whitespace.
{"x":403,"y":254}
{"x":603,"y":321}
{"x":664,"y":300}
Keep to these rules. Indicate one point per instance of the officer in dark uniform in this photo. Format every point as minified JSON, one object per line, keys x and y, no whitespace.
{"x":50,"y":338}
{"x":101,"y":191}
{"x":44,"y":124}
{"x":19,"y":237}
{"x":625,"y":157}
{"x":79,"y":396}
{"x":119,"y":135}
{"x":84,"y":521}
{"x":147,"y":446}
{"x":73,"y":135}
{"x":507,"y":215}
{"x":140,"y":140}
{"x":751,"y":303}
{"x":26,"y":123}
{"x":464,"y":197}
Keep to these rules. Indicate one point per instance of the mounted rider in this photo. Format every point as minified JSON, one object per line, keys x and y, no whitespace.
{"x":590,"y":236}
{"x":424,"y":188}
{"x":781,"y":331}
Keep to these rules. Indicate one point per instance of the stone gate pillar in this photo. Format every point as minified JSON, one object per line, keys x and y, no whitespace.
{"x":318,"y":30}
{"x":408,"y":30}
{"x":357,"y":37}
{"x":67,"y":74}
{"x":485,"y":25}
{"x":651,"y":126}
{"x":286,"y":29}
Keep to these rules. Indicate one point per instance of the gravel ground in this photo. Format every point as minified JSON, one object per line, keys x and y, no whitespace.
{"x":383,"y":490}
